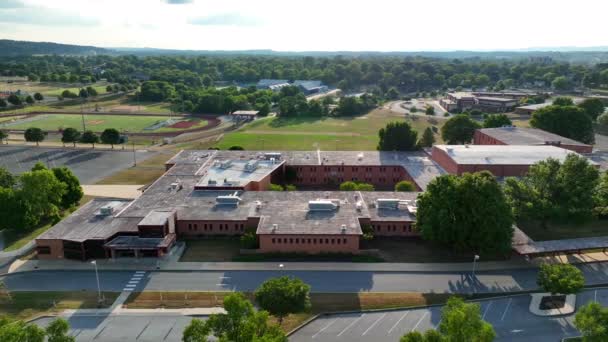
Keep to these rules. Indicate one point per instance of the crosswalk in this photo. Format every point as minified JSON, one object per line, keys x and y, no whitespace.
{"x":135,"y":279}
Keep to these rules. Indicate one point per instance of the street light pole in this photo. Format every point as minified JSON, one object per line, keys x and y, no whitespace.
{"x":475,"y":258}
{"x":134,"y":158}
{"x":99,"y":298}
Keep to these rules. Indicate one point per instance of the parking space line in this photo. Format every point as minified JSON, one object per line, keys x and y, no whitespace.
{"x":350,"y":325}
{"x":504,"y":314}
{"x":373,"y":324}
{"x":420,"y":320}
{"x":400,"y":319}
{"x":485,"y":312}
{"x":327,"y":326}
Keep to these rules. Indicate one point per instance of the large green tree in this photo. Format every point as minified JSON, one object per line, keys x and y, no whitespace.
{"x":7,"y":180}
{"x":34,"y":134}
{"x":427,"y":139}
{"x":592,"y":107}
{"x":468,"y":213}
{"x":496,"y":120}
{"x":3,"y":136}
{"x":592,"y":321}
{"x":397,"y":136}
{"x":89,"y":137}
{"x":58,"y":331}
{"x":73,"y":191}
{"x":196,"y":331}
{"x":19,"y":331}
{"x":42,"y":192}
{"x":554,"y":191}
{"x":70,"y":135}
{"x":560,"y":278}
{"x":600,"y":196}
{"x":459,"y":129}
{"x":110,"y":136}
{"x":567,"y":121}
{"x":282,"y":296}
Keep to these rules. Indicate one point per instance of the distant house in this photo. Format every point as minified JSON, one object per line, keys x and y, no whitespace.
{"x":309,"y":87}
{"x":271,"y":84}
{"x":247,"y":115}
{"x":511,"y":135}
{"x":139,"y":76}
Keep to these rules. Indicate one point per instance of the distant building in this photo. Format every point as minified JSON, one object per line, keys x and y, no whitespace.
{"x":271,"y":84}
{"x":500,"y":160}
{"x":246,"y":115}
{"x":530,"y":109}
{"x":495,"y":102}
{"x":512,"y":135}
{"x":311,"y":87}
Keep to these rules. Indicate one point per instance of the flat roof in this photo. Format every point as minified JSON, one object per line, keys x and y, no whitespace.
{"x":246,"y":112}
{"x":502,"y":154}
{"x":233,"y":172}
{"x":87,"y":223}
{"x":496,"y":99}
{"x":513,"y":135}
{"x":535,"y":106}
{"x":156,"y":218}
{"x":400,"y":214}
{"x":136,"y":242}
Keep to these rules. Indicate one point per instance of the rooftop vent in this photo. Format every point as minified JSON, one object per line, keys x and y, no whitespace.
{"x":360,"y":156}
{"x":176,"y":186}
{"x":275,"y":227}
{"x":258,"y":205}
{"x":359,"y":206}
{"x":106,"y":210}
{"x":228,"y":199}
{"x":251,"y":165}
{"x":322,"y":205}
{"x":212,"y":182}
{"x":388,"y":203}
{"x":226,"y":164}
{"x":343,"y":229}
{"x":275,"y":155}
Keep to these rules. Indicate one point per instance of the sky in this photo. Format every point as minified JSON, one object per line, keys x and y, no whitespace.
{"x":311,"y":25}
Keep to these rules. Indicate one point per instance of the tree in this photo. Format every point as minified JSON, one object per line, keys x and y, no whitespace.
{"x":561,"y":83}
{"x":39,"y":166}
{"x":110,"y":136}
{"x":3,"y":136}
{"x":7,"y":180}
{"x":42,"y":192}
{"x":70,"y":135}
{"x":236,"y":148}
{"x":241,"y":323}
{"x":89,"y":137}
{"x":275,"y":187}
{"x":592,"y":107}
{"x":397,"y":136}
{"x":462,"y":322}
{"x":356,"y":186}
{"x":560,"y":279}
{"x":429,"y":110}
{"x":34,"y":134}
{"x":496,"y":120}
{"x":196,"y":331}
{"x":427,"y":139}
{"x":430,"y":335}
{"x":58,"y":330}
{"x":29,"y":100}
{"x":459,"y":129}
{"x":73,"y":191}
{"x":562,"y":101}
{"x":38,"y":97}
{"x":592,"y":321}
{"x":91,"y":91}
{"x":14,"y":100}
{"x":567,"y":121}
{"x":83,"y":93}
{"x":18,"y":331}
{"x":603,"y":120}
{"x":3,"y":103}
{"x":69,"y":94}
{"x":405,"y":186}
{"x":468,"y":213}
{"x":600,"y":196}
{"x":554,"y":190}
{"x":282,"y":296}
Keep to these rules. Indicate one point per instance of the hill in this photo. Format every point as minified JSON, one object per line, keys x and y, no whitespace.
{"x":13,"y":48}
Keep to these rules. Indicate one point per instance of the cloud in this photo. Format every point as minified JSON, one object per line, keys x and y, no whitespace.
{"x":178,"y":2}
{"x":44,"y":17}
{"x":10,"y":4}
{"x":225,"y":19}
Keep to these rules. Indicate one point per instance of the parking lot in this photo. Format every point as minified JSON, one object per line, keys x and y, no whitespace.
{"x":89,"y":165}
{"x":126,"y":327}
{"x":509,"y":316}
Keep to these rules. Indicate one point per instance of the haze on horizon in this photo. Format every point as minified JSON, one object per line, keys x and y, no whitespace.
{"x":381,"y":25}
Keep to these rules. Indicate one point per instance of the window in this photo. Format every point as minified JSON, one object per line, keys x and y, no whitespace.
{"x":344,"y":240}
{"x":290,"y":240}
{"x":314,"y":241}
{"x":196,"y":226}
{"x":308,"y":241}
{"x":333,"y":241}
{"x":297,"y":240}
{"x":327,"y":241}
{"x":320,"y":241}
{"x":273,"y":240}
{"x":338,"y":241}
{"x":190,"y":226}
{"x":43,"y":250}
{"x":354,"y":169}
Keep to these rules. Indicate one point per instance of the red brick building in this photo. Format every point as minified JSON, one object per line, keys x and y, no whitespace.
{"x":512,"y":135}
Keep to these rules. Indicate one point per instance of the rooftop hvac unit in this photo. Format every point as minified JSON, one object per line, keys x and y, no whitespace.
{"x":360,"y":156}
{"x":343,"y":229}
{"x":322,"y":205}
{"x":388,"y":203}
{"x":228,"y":199}
{"x":251,"y":165}
{"x":226,"y":164}
{"x":211,"y":182}
{"x":275,"y":227}
{"x":176,"y":186}
{"x":106,"y":210}
{"x":359,"y":206}
{"x":258,"y":205}
{"x":275,"y":155}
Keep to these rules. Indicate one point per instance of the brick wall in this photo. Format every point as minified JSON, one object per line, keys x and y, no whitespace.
{"x":53,"y":247}
{"x":209,"y":228}
{"x":393,"y":228}
{"x":379,"y":176}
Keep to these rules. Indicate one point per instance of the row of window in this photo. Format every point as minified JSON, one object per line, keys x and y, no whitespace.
{"x":392,"y":228}
{"x":310,"y":241}
{"x":340,"y":180}
{"x":222,"y":227}
{"x":353,"y":169}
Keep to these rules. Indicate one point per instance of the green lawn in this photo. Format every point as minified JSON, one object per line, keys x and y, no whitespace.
{"x":101,"y":89}
{"x":97,"y":123}
{"x":306,"y":133}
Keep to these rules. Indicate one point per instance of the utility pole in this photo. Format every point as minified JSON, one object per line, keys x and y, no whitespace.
{"x":134,"y":158}
{"x":99,"y":296}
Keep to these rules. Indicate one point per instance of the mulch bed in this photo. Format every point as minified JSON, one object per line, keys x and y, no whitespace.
{"x":185,"y":124}
{"x":552,"y":302}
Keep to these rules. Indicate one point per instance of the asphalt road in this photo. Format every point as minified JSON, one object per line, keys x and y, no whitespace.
{"x":88,"y":165}
{"x":510,"y":317}
{"x":320,"y":281}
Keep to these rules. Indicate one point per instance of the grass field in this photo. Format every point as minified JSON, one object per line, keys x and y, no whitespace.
{"x":306,"y":133}
{"x":50,"y":89}
{"x":97,"y":123}
{"x":101,"y":89}
{"x":25,"y":305}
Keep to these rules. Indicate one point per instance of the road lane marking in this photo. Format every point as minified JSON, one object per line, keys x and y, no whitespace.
{"x":322,"y":330}
{"x":504,"y":314}
{"x":350,"y":325}
{"x":419,"y":321}
{"x":373,"y":324}
{"x":485,"y":312}
{"x":399,"y":321}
